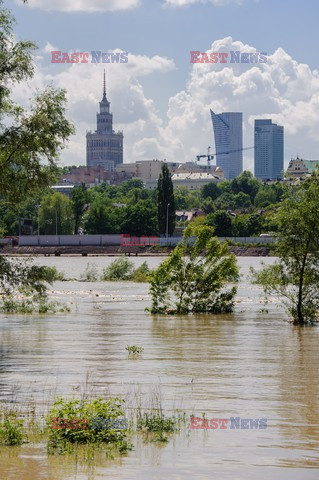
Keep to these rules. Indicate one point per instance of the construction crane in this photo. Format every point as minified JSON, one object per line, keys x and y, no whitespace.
{"x":210,"y":156}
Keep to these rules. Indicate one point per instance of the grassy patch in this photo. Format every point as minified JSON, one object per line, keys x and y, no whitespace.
{"x":11,"y":430}
{"x":31,"y":306}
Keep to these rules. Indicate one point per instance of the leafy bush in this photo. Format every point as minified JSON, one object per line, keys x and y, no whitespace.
{"x":90,"y":273}
{"x":72,"y":421}
{"x":11,"y":430}
{"x":141,"y":273}
{"x":52,"y":274}
{"x":120,"y":269}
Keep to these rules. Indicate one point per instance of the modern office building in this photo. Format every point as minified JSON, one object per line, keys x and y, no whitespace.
{"x":269,"y":150}
{"x":228,"y":133}
{"x":104,"y":147}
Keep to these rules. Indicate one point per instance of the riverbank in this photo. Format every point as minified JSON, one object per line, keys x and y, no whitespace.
{"x":112,"y":250}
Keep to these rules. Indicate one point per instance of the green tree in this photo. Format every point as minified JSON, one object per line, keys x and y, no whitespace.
{"x":30,"y":140}
{"x":295,"y":277}
{"x":139,"y":219}
{"x":242,"y":201}
{"x":226,"y":201}
{"x":240,"y":226}
{"x":186,"y":199}
{"x":101,"y":217}
{"x":165,"y":202}
{"x":246,"y":183}
{"x":56,"y":215}
{"x":221,"y":222}
{"x":195,"y":275}
{"x":210,"y":191}
{"x":80,"y":200}
{"x":30,"y":143}
{"x":224,"y":187}
{"x":255,"y":224}
{"x":265,"y":197}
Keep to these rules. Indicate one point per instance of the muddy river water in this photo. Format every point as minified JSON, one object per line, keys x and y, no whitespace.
{"x":251,"y":364}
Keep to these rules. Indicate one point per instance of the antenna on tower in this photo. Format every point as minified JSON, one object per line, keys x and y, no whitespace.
{"x":104,"y":86}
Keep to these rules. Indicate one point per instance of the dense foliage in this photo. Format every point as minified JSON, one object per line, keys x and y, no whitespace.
{"x":74,"y":421}
{"x":295,"y":277}
{"x":132,"y":209}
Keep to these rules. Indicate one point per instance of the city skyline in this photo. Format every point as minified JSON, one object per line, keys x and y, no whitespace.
{"x":162,"y":100}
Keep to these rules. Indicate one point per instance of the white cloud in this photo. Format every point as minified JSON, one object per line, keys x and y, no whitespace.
{"x":83,"y":5}
{"x":281,"y":89}
{"x":184,"y":3}
{"x":49,"y":48}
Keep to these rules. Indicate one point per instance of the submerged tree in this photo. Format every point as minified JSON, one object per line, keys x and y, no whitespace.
{"x":30,"y":142}
{"x":295,"y":277}
{"x":194,"y":277}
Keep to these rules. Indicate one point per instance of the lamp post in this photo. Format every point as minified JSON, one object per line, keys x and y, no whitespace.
{"x":56,"y":222}
{"x":167,"y":219}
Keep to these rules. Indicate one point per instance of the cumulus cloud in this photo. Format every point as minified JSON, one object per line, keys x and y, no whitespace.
{"x":83,"y":5}
{"x":281,"y":89}
{"x":184,"y":3}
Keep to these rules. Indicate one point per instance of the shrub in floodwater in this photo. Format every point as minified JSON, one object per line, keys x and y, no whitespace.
{"x":31,"y":306}
{"x":52,"y":274}
{"x":157,"y":422}
{"x":141,"y":273}
{"x":120,"y":269}
{"x":11,"y":430}
{"x":90,"y":273}
{"x":73,"y":421}
{"x":134,"y":350}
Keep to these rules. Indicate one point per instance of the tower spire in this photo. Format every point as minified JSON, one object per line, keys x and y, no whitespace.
{"x":104,"y":86}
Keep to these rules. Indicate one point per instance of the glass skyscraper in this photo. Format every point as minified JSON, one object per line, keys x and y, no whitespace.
{"x":269,"y":150}
{"x":228,"y":133}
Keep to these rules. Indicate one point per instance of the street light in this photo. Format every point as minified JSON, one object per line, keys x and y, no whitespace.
{"x":167,"y":219}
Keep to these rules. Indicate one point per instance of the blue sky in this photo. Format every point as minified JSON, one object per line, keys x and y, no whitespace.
{"x":164,"y":91}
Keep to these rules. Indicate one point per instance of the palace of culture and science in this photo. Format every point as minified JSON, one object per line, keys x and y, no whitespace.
{"x":104,"y":147}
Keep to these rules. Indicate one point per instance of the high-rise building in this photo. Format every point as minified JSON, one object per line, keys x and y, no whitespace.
{"x":269,"y":150}
{"x":104,"y":147}
{"x":228,"y":133}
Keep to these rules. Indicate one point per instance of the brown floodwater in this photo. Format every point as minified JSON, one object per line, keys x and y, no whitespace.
{"x":250,"y":364}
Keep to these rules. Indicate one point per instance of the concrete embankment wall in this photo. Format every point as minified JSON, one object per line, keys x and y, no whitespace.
{"x":105,"y":240}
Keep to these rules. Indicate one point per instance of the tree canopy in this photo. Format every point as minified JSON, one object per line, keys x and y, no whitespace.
{"x":295,"y":277}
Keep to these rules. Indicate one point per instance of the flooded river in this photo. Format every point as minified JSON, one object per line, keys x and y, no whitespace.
{"x":250,"y":364}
